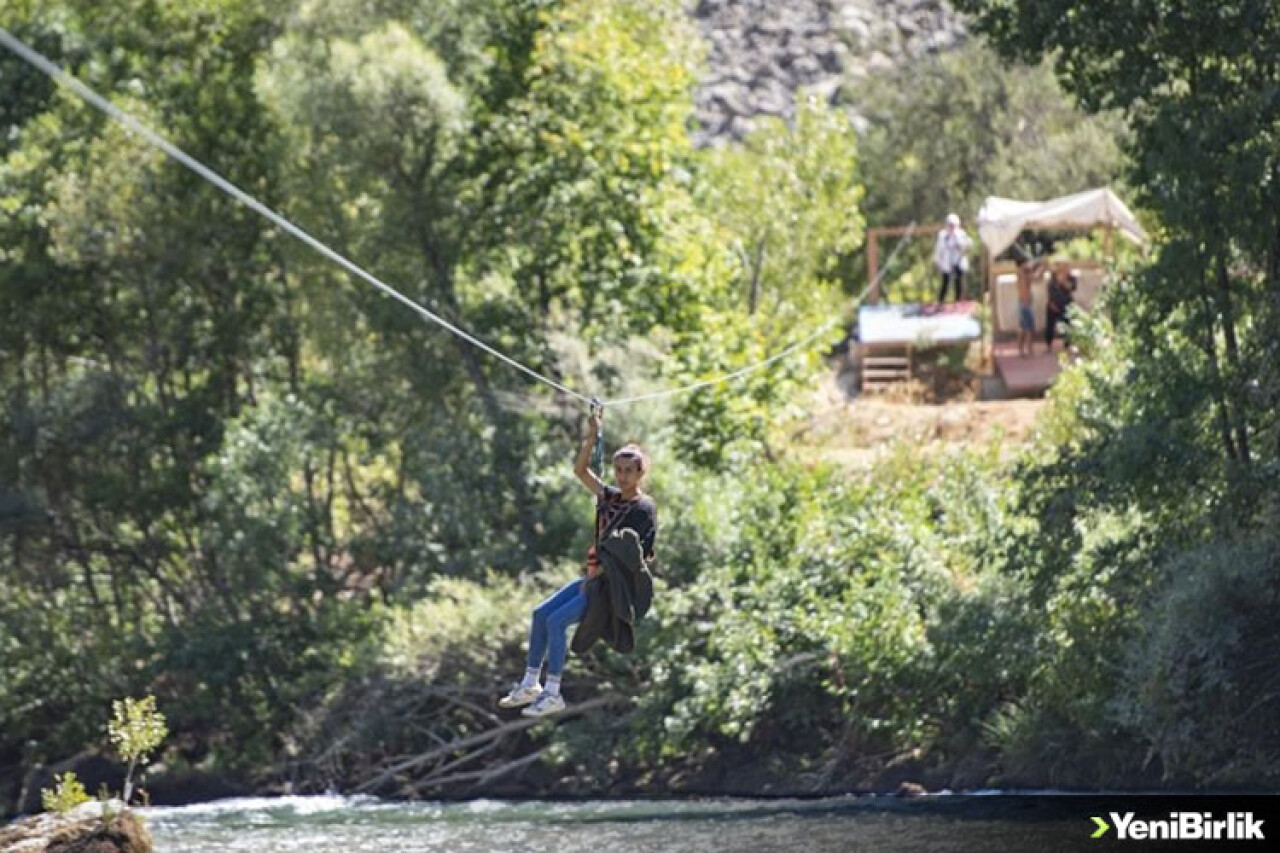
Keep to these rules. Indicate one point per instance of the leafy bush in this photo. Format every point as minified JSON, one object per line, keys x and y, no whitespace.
{"x":67,"y":793}
{"x":430,"y":673}
{"x":1201,"y":677}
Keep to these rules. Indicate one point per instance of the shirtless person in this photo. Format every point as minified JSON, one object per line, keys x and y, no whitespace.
{"x":1028,"y":270}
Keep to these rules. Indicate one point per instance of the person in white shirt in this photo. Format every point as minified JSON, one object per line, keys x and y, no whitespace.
{"x":951,"y":256}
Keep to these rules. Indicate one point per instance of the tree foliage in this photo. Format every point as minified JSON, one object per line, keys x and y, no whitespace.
{"x":235,"y":479}
{"x":219,"y":453}
{"x":782,"y":209}
{"x":1197,"y":84}
{"x":1173,"y":433}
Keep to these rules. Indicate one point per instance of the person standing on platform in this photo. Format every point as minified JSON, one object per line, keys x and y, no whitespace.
{"x":1062,"y":285}
{"x":1029,"y":269}
{"x":951,"y":256}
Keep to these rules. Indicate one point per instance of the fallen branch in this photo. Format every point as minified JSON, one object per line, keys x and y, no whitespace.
{"x":481,"y":776}
{"x":482,"y":737}
{"x":443,"y":770}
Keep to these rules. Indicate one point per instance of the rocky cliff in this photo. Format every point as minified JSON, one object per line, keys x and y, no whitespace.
{"x":760,"y":53}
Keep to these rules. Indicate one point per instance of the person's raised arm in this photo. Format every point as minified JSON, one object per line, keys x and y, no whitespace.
{"x":582,"y":464}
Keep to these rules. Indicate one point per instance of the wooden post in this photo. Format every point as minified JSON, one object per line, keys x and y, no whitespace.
{"x":989,"y":300}
{"x":873,"y":250}
{"x":873,"y":265}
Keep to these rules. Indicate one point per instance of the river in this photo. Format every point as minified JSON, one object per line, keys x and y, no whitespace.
{"x":337,"y":824}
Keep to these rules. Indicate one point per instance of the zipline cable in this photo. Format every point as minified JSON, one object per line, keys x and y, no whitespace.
{"x":50,"y":69}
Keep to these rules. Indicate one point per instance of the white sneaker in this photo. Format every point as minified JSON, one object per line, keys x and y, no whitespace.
{"x":520,"y":695}
{"x":545,"y":704}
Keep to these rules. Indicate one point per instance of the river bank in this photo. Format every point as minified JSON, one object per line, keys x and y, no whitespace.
{"x":734,"y":774}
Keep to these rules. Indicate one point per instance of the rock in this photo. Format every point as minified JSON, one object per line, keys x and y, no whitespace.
{"x":832,"y":60}
{"x":753,"y":44}
{"x":82,"y":830}
{"x":824,"y":91}
{"x":807,"y":66}
{"x":878,"y":62}
{"x":858,"y":34}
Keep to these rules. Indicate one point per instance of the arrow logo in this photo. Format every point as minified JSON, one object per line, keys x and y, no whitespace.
{"x":1102,"y":827}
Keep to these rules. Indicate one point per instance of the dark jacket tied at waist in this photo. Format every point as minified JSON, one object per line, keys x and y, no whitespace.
{"x":616,"y":597}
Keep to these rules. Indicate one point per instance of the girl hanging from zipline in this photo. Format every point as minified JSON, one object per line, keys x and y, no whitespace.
{"x":617,"y":509}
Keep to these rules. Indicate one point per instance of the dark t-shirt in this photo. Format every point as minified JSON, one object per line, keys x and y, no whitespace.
{"x":1059,"y":297}
{"x":613,"y":513}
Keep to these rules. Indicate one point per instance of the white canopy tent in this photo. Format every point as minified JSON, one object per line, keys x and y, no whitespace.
{"x":1002,"y":219}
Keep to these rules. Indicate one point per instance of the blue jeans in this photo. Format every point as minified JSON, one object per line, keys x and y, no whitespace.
{"x":551,"y":619}
{"x":1026,"y":319}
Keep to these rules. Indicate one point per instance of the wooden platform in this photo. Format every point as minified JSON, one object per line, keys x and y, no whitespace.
{"x":889,"y":335}
{"x":1031,"y":373}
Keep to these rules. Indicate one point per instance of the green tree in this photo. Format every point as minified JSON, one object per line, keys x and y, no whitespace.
{"x":220,"y":452}
{"x":136,"y":730}
{"x":1163,"y":492}
{"x":945,"y":134}
{"x":1196,"y":84}
{"x":578,"y":176}
{"x":67,"y":793}
{"x":493,"y":198}
{"x":788,"y":201}
{"x":138,"y":309}
{"x":780,"y":211}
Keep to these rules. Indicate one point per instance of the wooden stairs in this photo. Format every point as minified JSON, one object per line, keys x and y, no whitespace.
{"x":885,"y":364}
